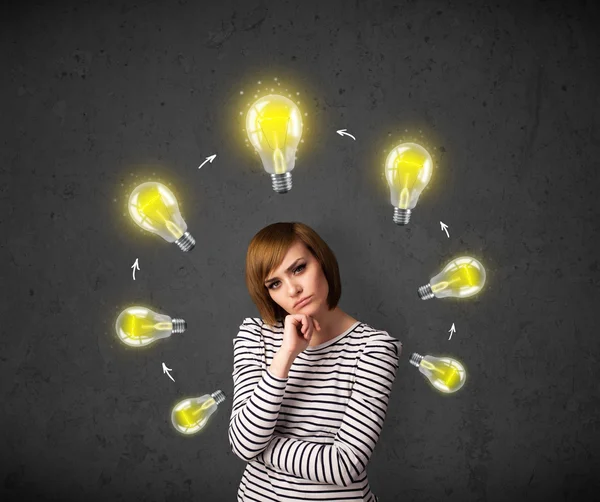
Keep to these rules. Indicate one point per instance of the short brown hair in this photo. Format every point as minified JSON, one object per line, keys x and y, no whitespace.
{"x":266,"y":252}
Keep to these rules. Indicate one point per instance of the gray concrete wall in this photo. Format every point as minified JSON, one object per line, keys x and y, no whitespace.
{"x":98,"y":97}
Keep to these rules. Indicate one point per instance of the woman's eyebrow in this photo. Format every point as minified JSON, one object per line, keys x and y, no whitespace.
{"x":287,"y":270}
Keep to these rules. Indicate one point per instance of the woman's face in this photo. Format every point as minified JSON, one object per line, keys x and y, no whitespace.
{"x":305,"y":278}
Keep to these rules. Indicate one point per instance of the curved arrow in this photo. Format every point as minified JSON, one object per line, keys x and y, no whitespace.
{"x":342,"y":132}
{"x":452,"y":330}
{"x":444,"y":228}
{"x":208,"y":159}
{"x":135,"y":266}
{"x":166,"y":370}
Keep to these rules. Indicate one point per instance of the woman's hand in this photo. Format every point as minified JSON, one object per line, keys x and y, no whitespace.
{"x":297,"y":333}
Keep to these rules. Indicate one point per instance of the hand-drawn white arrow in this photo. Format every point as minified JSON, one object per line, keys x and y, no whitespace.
{"x":342,"y":132}
{"x":166,"y":370}
{"x":452,"y":330}
{"x":135,"y":266}
{"x":208,"y":159}
{"x":444,"y":228}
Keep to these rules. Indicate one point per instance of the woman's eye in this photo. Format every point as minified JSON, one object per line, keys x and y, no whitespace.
{"x":295,"y":270}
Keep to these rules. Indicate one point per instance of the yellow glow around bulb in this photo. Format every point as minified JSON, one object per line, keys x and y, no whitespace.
{"x":140,"y":326}
{"x":154,"y":208}
{"x":461,"y":278}
{"x":274,"y":127}
{"x":408,"y":169}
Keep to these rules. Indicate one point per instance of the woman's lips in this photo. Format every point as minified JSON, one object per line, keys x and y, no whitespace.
{"x":304,"y":302}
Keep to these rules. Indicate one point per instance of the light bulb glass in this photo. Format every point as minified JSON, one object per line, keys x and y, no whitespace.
{"x":408,"y":169}
{"x":139,"y":326}
{"x":274,"y":128}
{"x":154,"y":208}
{"x":190,"y":415}
{"x":446,"y":374}
{"x":461,"y":278}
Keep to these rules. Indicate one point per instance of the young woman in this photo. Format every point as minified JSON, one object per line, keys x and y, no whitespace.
{"x":311,"y":383}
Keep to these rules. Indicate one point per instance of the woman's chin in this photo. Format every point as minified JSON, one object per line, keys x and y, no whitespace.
{"x":311,"y":309}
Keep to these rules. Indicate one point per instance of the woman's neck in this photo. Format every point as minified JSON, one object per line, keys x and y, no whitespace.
{"x":333,"y":323}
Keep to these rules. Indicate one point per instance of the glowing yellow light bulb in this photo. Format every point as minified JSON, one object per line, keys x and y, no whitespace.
{"x":140,"y":326}
{"x":190,"y":415}
{"x":446,"y":374}
{"x":274,"y":127}
{"x":154,"y":208}
{"x":461,"y":278}
{"x":408,"y":169}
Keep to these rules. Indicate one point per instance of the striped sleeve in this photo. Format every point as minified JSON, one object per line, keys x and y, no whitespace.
{"x":343,"y":462}
{"x":257,"y":394}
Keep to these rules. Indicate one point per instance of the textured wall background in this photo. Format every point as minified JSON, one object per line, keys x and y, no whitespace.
{"x":98,"y":97}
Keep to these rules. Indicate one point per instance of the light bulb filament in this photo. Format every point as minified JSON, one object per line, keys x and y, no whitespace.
{"x":468,"y":277}
{"x":171,"y":227}
{"x":404,"y":198}
{"x":142,"y":207}
{"x":193,"y":414}
{"x":137,"y":329}
{"x":279,"y":161}
{"x":207,"y":404}
{"x":448,"y":374}
{"x":145,"y":217}
{"x":428,"y":365}
{"x":174,"y":229}
{"x":275,"y":130}
{"x":443,"y":285}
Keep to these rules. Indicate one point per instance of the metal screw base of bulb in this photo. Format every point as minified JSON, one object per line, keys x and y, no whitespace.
{"x":218,"y":396}
{"x":415,"y":359}
{"x":282,"y":183}
{"x":401,"y":216}
{"x":179,"y":326}
{"x":186,"y":242}
{"x":425,"y":292}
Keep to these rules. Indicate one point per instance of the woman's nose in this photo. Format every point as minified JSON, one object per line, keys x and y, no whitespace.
{"x":293,"y":288}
